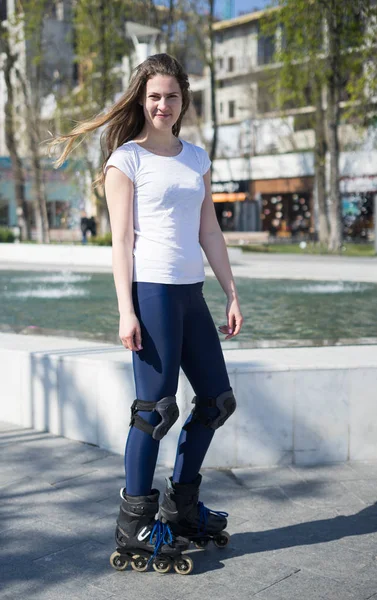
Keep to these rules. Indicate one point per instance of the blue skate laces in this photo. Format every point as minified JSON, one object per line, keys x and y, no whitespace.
{"x":203,"y":516}
{"x":161,"y":535}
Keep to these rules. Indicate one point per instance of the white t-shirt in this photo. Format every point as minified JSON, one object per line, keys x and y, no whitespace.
{"x":169,"y":192}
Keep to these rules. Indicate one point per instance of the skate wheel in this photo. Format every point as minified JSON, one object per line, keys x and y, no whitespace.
{"x":222,"y":539}
{"x":139,"y":563}
{"x":200,"y":544}
{"x":162,"y":565}
{"x":118,"y":562}
{"x":183,"y":565}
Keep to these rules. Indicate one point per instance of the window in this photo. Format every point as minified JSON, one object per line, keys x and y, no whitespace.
{"x":220,"y":64}
{"x":221,"y":108}
{"x":266,"y":49}
{"x":59,"y":214}
{"x":197,"y":100}
{"x":303,"y":122}
{"x":3,"y":10}
{"x":55,"y":10}
{"x":59,"y":10}
{"x":4,"y":213}
{"x":230,"y":64}
{"x":231,"y":107}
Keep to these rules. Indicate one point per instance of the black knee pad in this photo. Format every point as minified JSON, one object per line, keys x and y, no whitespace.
{"x":167,"y":409}
{"x":225,"y":403}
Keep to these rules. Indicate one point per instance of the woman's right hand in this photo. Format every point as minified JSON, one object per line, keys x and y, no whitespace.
{"x":130,"y":332}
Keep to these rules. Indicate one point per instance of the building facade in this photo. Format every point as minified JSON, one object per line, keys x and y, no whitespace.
{"x":68,"y":189}
{"x":263,"y":174}
{"x":268,"y":157}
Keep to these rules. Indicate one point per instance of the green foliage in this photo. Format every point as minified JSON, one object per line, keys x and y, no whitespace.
{"x":101,"y":240}
{"x":6,"y":236}
{"x":303,"y":58}
{"x":101,"y":43}
{"x":348,"y":249}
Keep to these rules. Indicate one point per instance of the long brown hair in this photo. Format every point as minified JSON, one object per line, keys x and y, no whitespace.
{"x":125,"y":119}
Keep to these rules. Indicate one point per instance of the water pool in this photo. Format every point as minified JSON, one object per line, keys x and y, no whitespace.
{"x":275,"y":311}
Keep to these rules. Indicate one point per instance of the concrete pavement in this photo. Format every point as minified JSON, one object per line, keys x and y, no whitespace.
{"x":297,"y":533}
{"x":253,"y":265}
{"x":292,"y":266}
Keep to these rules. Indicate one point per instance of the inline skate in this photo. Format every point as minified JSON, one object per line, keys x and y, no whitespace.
{"x":143,"y":541}
{"x":189,"y":518}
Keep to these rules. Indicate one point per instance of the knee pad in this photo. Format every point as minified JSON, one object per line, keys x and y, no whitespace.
{"x":225,"y":403}
{"x":167,"y":409}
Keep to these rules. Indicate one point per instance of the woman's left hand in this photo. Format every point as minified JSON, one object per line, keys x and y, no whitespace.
{"x":234,"y":317}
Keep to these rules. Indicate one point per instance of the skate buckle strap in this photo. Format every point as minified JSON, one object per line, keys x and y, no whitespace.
{"x":225,"y":404}
{"x":203,"y":516}
{"x":161,"y":535}
{"x":167,"y":409}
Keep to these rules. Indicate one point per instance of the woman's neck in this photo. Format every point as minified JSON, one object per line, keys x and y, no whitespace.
{"x":157,"y":140}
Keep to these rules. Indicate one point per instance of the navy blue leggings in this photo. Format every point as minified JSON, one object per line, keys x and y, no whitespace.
{"x":177,"y":330}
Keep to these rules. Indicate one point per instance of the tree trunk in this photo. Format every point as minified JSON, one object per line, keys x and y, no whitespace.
{"x":31,"y":86}
{"x":170,"y":26}
{"x":103,"y":219}
{"x":43,"y":233}
{"x":23,"y":219}
{"x":211,"y":64}
{"x":105,"y":59}
{"x":39,"y":195}
{"x":320,"y":170}
{"x":335,"y":212}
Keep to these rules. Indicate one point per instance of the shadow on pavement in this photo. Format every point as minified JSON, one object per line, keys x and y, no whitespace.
{"x":301,"y":534}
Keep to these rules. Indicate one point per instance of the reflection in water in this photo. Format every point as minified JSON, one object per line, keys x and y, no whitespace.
{"x":66,"y":292}
{"x":273,"y":310}
{"x":64,"y":277}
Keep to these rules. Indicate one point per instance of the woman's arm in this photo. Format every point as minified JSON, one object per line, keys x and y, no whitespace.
{"x":119,"y":196}
{"x":212,"y":241}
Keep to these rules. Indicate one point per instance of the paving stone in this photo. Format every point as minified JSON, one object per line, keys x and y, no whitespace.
{"x":96,"y":485}
{"x":296,"y":533}
{"x":329,"y":558}
{"x":48,"y":447}
{"x":323,"y":494}
{"x":33,"y":539}
{"x":314,"y":587}
{"x":41,"y":585}
{"x":368,"y":470}
{"x":331,"y":472}
{"x":112,"y":463}
{"x":32,"y":500}
{"x":269,"y":508}
{"x":364,"y":490}
{"x":258,"y":478}
{"x":52,"y":474}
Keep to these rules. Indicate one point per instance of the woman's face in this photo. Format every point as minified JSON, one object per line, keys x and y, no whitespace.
{"x":162,"y":102}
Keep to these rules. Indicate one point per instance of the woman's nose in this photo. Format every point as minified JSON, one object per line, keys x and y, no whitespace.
{"x":162,"y":105}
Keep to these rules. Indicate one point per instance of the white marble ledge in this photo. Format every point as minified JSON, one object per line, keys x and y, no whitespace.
{"x":282,"y":359}
{"x":238,"y":361}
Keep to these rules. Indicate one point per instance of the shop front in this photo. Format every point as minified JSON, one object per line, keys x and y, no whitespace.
{"x":357,"y":194}
{"x":286,"y":206}
{"x":235,"y":210}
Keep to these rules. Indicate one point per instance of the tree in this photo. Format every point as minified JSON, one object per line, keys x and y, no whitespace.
{"x":10,"y":58}
{"x":195,"y":19}
{"x":29,"y":21}
{"x":100,"y":44}
{"x":322,"y":45}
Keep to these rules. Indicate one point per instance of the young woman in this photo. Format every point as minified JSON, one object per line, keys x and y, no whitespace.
{"x":158,"y":190}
